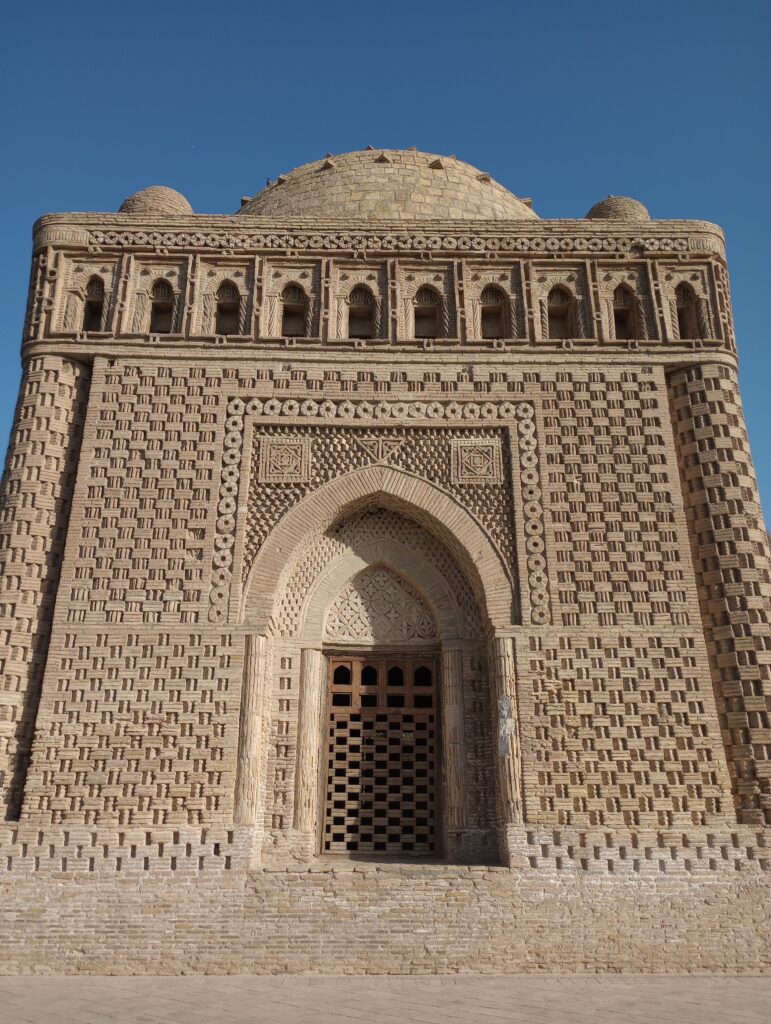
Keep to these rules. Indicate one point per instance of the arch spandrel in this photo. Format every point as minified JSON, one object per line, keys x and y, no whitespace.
{"x":385,"y":486}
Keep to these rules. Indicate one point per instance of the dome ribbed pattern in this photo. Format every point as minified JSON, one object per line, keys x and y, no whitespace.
{"x":393,"y":184}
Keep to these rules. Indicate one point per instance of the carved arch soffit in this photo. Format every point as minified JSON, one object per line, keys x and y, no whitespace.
{"x":420,"y":575}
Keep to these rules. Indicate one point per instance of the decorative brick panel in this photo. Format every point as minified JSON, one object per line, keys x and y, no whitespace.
{"x":619,"y":731}
{"x":732,"y":558}
{"x":137,"y":729}
{"x":37,"y":489}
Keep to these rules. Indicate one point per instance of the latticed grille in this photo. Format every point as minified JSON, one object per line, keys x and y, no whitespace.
{"x":163,"y":290}
{"x":381,"y":747}
{"x":95,"y":288}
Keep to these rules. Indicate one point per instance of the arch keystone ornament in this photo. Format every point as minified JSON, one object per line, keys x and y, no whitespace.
{"x":382,"y":552}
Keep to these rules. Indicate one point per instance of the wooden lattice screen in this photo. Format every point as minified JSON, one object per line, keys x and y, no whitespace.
{"x":381,"y":766}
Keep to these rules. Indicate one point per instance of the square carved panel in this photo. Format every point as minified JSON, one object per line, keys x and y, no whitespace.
{"x":477,"y":461}
{"x":284,"y":460}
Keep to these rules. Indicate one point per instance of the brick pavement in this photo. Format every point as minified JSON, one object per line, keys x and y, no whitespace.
{"x":520,"y":999}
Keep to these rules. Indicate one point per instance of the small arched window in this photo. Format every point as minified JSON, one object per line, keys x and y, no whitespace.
{"x":624,"y":313}
{"x":427,"y":309}
{"x":369,"y":675}
{"x":342,"y":676}
{"x":493,"y":312}
{"x":560,"y":313}
{"x":395,"y":676}
{"x":422,"y":676}
{"x":93,"y":309}
{"x":162,"y":308}
{"x":687,"y":311}
{"x":361,"y":313}
{"x":341,"y":687}
{"x":294,"y":310}
{"x":228,"y":308}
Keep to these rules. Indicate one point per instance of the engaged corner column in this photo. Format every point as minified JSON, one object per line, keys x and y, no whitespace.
{"x":250,"y":733}
{"x":507,"y":720}
{"x":312,"y":675}
{"x":454,"y":753}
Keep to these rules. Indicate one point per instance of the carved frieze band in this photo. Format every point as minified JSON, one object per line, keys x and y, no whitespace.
{"x":225,"y":531}
{"x":347,"y":410}
{"x":286,"y":459}
{"x":532,"y":513}
{"x":330,"y":241}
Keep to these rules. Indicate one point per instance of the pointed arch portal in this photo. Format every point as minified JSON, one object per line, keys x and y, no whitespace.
{"x":377,"y":602}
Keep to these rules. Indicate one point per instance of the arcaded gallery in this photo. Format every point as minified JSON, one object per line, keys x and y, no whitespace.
{"x":384,"y":587}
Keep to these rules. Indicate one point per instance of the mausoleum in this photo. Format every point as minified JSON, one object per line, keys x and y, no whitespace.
{"x":384,"y":588}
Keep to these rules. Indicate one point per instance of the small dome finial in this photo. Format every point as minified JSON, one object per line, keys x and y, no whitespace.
{"x":157,"y":199}
{"x":618,"y":208}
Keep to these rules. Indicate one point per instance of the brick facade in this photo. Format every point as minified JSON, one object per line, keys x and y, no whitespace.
{"x":383,"y":411}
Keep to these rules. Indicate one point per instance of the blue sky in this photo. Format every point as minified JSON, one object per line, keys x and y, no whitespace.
{"x":563,"y":102}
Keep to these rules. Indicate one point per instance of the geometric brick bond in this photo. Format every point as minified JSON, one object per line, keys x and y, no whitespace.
{"x":382,"y":417}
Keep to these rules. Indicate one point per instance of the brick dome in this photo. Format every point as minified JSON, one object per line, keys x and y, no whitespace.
{"x":157,"y":199}
{"x":618,"y":208}
{"x":392,"y":184}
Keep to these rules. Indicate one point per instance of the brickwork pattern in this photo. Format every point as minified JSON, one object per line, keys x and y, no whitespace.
{"x":136,"y":729}
{"x":356,"y":531}
{"x":76,"y":274}
{"x":36,"y":491}
{"x":480,"y":783}
{"x":393,"y":261}
{"x":617,"y":541}
{"x":732,"y":558}
{"x":532,"y":516}
{"x":98,"y":852}
{"x":334,"y":451}
{"x":476,"y":919}
{"x":281,"y":759}
{"x":620,"y":731}
{"x":177,"y":852}
{"x":281,"y":722}
{"x":378,"y":184}
{"x":140,"y":546}
{"x":600,"y":583}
